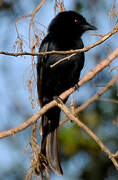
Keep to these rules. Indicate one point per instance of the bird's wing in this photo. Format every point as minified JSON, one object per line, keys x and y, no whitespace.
{"x":50,"y":120}
{"x":40,"y":70}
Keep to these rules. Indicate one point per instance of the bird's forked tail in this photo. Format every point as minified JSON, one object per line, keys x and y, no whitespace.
{"x":49,"y":145}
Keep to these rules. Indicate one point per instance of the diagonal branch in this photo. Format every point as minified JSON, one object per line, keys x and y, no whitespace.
{"x":91,"y":74}
{"x":69,"y":114}
{"x":94,"y":98}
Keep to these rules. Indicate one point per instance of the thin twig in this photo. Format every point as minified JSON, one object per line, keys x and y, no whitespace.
{"x":33,"y":15}
{"x":108,"y":100}
{"x":85,"y":49}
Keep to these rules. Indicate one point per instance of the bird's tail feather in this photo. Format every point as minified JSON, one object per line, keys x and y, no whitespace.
{"x":49,"y":146}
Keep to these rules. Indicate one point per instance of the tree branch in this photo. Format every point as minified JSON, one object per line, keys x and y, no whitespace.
{"x":94,"y":98}
{"x":32,"y":15}
{"x":101,"y":40}
{"x":66,"y":110}
{"x":63,"y":96}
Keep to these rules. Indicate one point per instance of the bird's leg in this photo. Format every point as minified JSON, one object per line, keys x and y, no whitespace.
{"x":58,"y":99}
{"x":76,"y":86}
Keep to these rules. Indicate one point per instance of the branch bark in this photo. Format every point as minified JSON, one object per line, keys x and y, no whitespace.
{"x":94,"y":98}
{"x":92,"y":73}
{"x":101,"y":40}
{"x":66,"y":110}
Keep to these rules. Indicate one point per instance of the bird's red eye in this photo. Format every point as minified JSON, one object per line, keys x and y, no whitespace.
{"x":77,"y":21}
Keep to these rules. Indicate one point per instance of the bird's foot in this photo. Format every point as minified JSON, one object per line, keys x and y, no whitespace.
{"x":58,"y":99}
{"x":76,"y":86}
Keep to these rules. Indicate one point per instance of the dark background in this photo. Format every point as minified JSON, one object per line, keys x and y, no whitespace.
{"x":81,"y":157}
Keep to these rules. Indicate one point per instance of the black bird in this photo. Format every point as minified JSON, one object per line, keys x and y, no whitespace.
{"x":64,"y":33}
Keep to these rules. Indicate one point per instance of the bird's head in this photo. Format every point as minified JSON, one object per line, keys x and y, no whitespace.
{"x":69,"y":23}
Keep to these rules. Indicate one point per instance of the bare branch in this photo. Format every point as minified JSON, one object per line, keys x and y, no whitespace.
{"x":85,"y":49}
{"x":66,"y":110}
{"x":94,"y":98}
{"x":109,"y":100}
{"x":32,"y":15}
{"x":63,"y":96}
{"x":101,"y":40}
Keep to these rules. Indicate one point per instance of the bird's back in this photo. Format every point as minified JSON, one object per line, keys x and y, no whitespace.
{"x":62,"y":76}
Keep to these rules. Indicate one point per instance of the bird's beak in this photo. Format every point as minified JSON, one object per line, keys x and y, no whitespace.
{"x":88,"y":26}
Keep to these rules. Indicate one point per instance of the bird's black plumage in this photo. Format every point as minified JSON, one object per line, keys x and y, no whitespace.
{"x":64,"y":33}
